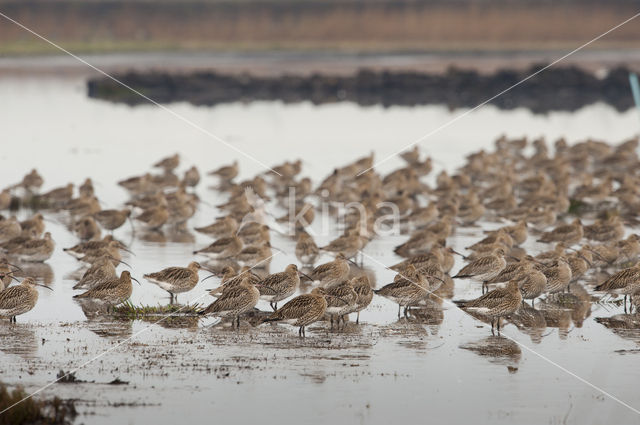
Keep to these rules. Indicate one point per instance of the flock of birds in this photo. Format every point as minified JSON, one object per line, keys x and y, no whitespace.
{"x":521,"y":184}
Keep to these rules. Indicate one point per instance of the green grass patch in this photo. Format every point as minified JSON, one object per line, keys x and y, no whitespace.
{"x":128,"y":310}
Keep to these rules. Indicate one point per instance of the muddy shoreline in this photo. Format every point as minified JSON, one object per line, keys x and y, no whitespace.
{"x":555,"y":89}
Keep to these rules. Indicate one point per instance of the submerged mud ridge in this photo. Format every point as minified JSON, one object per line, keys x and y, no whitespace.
{"x":560,"y":89}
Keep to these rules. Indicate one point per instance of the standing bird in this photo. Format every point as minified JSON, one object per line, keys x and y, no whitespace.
{"x":231,"y":279}
{"x":331,"y":273}
{"x":35,"y":250}
{"x":408,"y":289}
{"x":156,"y":216}
{"x":301,"y":311}
{"x":33,"y":226}
{"x":9,"y":228}
{"x":222,"y":248}
{"x":101,"y":270}
{"x":484,"y":268}
{"x":495,"y":304}
{"x":221,"y":228}
{"x":86,"y":229}
{"x":191,"y":177}
{"x":176,"y":280}
{"x":112,"y":219}
{"x":625,"y":282}
{"x":569,"y":234}
{"x":235,"y":301}
{"x":531,"y":282}
{"x":226,"y":173}
{"x":306,"y":249}
{"x":558,"y":276}
{"x":111,"y":292}
{"x":19,"y":299}
{"x":169,"y":163}
{"x":363,"y":289}
{"x":342,"y":301}
{"x":279,"y":286}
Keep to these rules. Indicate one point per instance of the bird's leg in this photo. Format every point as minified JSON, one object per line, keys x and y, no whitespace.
{"x":484,"y":284}
{"x":304,"y":334}
{"x":275,"y":306}
{"x":492,"y":333}
{"x":399,"y":308}
{"x":406,"y":310}
{"x":238,"y":321}
{"x":625,"y":304}
{"x":532,"y":301}
{"x":498,"y":325}
{"x":358,"y":318}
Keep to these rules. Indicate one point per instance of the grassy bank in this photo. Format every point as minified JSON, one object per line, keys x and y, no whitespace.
{"x":118,"y":25}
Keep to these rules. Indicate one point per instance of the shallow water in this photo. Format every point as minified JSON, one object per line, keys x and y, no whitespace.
{"x":441,"y":365}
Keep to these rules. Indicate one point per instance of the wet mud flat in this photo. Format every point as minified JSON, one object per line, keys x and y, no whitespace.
{"x":367,"y":373}
{"x":555,"y":89}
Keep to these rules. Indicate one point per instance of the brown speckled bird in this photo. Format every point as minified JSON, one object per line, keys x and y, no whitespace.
{"x":111,"y":292}
{"x":625,"y":282}
{"x":363,"y":289}
{"x":176,"y":280}
{"x":100,"y":271}
{"x":19,"y":299}
{"x":280,"y":286}
{"x":234,"y":301}
{"x":495,"y":304}
{"x":301,"y":311}
{"x":112,"y":219}
{"x":331,"y":273}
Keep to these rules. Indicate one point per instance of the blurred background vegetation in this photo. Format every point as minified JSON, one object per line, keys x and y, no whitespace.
{"x":362,"y":25}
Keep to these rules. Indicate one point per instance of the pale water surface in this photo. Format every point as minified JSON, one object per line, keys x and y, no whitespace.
{"x":381,"y":371}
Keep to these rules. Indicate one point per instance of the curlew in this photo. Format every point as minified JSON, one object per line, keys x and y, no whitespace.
{"x":176,"y":280}
{"x":169,"y":163}
{"x":558,"y":276}
{"x":230,"y":279}
{"x":625,"y":282}
{"x":408,"y":289}
{"x":19,"y":299}
{"x":279,"y":286}
{"x":568,"y":234}
{"x":306,"y":249}
{"x":331,"y":273}
{"x":531,"y":282}
{"x":221,"y":228}
{"x":341,"y":302}
{"x":495,"y":304}
{"x":484,"y":268}
{"x":222,"y":248}
{"x":301,"y":311}
{"x":111,"y":292}
{"x":9,"y":228}
{"x":112,"y":219}
{"x":363,"y":289}
{"x":255,"y":256}
{"x":101,"y":270}
{"x":235,"y":301}
{"x":35,"y":250}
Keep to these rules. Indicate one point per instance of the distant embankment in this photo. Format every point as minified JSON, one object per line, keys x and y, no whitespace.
{"x":102,"y":25}
{"x":565,"y":89}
